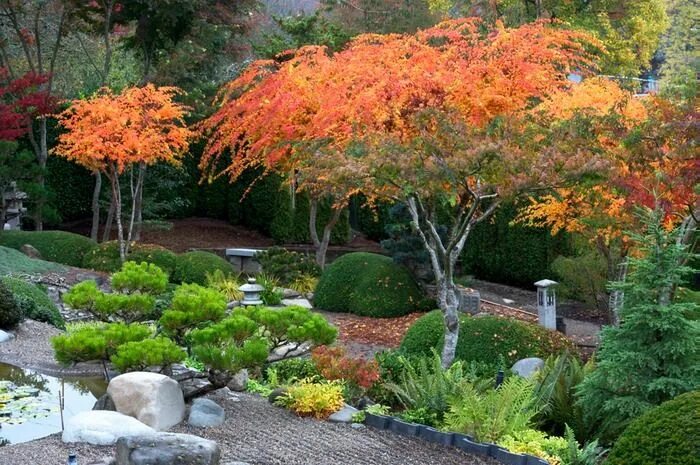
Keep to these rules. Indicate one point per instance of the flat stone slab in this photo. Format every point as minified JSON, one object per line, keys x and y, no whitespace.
{"x":297,"y":303}
{"x":242,"y":252}
{"x":102,"y":427}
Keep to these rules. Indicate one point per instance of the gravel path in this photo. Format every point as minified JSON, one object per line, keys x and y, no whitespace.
{"x":262,"y":434}
{"x":31,"y":348}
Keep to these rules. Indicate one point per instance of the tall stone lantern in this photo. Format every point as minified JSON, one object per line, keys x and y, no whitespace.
{"x":547,"y":303}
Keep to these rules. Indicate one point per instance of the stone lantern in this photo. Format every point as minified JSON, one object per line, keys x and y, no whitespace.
{"x":251,"y":293}
{"x":547,"y":303}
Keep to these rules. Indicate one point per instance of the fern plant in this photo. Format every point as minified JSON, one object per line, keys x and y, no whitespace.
{"x":489,"y":415}
{"x":424,"y":384}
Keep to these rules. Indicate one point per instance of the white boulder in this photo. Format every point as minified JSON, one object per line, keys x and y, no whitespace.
{"x":527,"y":367}
{"x":151,"y":398}
{"x":102,"y":427}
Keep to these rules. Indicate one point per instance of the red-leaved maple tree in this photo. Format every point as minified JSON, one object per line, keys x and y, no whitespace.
{"x":442,"y":120}
{"x":21,"y":100}
{"x":110,"y":133}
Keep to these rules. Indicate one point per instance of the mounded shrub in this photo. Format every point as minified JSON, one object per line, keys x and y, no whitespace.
{"x":192,"y":267}
{"x":33,"y":302}
{"x":55,"y":246}
{"x":10,"y":312}
{"x":368,"y":284}
{"x":105,"y":257}
{"x":668,"y":434}
{"x":485,"y":339}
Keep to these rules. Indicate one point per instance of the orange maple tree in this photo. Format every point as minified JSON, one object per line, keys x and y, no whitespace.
{"x":444,"y":119}
{"x":111,"y":133}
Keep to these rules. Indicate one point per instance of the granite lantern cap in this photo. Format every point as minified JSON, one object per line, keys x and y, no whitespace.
{"x":251,"y":292}
{"x":545,"y":283}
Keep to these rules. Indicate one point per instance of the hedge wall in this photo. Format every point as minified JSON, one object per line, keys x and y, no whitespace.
{"x":512,"y":254}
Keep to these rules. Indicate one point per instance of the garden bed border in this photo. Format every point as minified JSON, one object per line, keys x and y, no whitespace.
{"x":460,"y":441}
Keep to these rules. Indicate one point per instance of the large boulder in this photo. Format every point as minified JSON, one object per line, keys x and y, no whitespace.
{"x":527,"y":367}
{"x":167,"y":449}
{"x":5,"y":336}
{"x":153,"y":399}
{"x":206,"y":413}
{"x":103,"y":427}
{"x":239,"y":382}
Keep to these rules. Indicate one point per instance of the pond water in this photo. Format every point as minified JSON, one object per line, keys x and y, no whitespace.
{"x":30,"y":402}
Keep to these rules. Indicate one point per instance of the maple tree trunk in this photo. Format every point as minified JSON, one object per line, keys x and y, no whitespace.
{"x":135,"y":193}
{"x":94,"y":229}
{"x":117,"y":200}
{"x":109,"y":222}
{"x":321,"y":244}
{"x":138,"y":206}
{"x":41,"y":179}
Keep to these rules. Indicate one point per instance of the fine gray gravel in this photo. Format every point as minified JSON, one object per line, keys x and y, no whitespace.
{"x":31,"y":349}
{"x":261,"y":434}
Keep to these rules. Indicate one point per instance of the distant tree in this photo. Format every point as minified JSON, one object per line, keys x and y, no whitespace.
{"x":112,"y":133}
{"x":680,"y":47}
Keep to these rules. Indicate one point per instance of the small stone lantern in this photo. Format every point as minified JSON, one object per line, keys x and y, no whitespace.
{"x":251,"y":293}
{"x":547,"y":303}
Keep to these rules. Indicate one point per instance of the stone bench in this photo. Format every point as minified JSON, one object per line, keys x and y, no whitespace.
{"x":243,"y":260}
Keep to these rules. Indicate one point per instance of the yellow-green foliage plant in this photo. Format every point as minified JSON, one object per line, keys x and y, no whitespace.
{"x":228,"y":285}
{"x":313,"y":399}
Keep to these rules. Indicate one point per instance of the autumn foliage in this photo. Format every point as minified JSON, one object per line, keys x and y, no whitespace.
{"x":21,"y":100}
{"x":334,"y":364}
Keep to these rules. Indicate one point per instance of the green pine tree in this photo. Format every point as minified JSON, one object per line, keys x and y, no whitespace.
{"x":652,"y":356}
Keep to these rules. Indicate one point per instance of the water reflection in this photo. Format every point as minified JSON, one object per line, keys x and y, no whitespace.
{"x":79,"y":394}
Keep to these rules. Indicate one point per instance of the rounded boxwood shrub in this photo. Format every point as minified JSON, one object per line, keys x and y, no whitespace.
{"x":368,"y":284}
{"x":54,"y":246}
{"x":105,"y":257}
{"x":668,"y":434}
{"x":10,"y":312}
{"x":33,"y":302}
{"x":192,"y":267}
{"x":485,"y":339}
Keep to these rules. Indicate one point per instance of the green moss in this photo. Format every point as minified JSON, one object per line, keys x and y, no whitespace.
{"x":486,"y":339}
{"x":55,"y":246}
{"x":14,"y":261}
{"x":368,"y":284}
{"x":666,"y":435}
{"x":34,"y":302}
{"x":192,"y":267}
{"x":105,"y":257}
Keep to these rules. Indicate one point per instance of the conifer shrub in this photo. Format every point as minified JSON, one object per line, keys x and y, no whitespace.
{"x":192,"y":267}
{"x":668,"y":434}
{"x":486,"y":339}
{"x":652,"y":356}
{"x":96,"y":342}
{"x":286,"y":265}
{"x":144,"y":278}
{"x":370,"y":285}
{"x":10,"y":311}
{"x":54,"y":246}
{"x":34,"y":303}
{"x":140,"y":355}
{"x":192,"y":306}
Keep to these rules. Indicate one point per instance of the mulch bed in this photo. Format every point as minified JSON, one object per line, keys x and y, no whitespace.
{"x":385,"y":332}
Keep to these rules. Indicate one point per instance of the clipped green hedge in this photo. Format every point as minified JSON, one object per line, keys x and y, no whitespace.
{"x":668,"y":434}
{"x":105,"y":257}
{"x":485,"y":339}
{"x":368,"y":284}
{"x":33,"y":302}
{"x":192,"y":267}
{"x":14,"y":261}
{"x":54,"y":246}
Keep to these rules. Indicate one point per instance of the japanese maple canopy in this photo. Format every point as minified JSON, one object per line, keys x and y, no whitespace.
{"x":379,"y":83}
{"x":140,"y":125}
{"x":21,"y":100}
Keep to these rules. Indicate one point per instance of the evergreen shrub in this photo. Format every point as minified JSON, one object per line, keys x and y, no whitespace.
{"x":485,"y":339}
{"x":192,"y":267}
{"x":370,"y":285}
{"x":54,"y":246}
{"x":33,"y":302}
